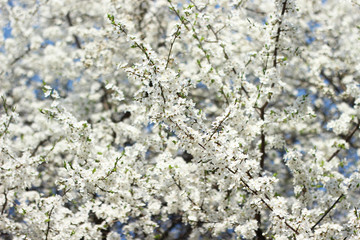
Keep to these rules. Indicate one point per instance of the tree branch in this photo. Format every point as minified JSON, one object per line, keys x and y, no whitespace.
{"x":218,"y":126}
{"x":48,"y":223}
{"x":5,"y":203}
{"x":327,"y":211}
{"x":77,"y":41}
{"x":347,"y":139}
{"x":278,"y":35}
{"x":38,"y":145}
{"x":176,"y":35}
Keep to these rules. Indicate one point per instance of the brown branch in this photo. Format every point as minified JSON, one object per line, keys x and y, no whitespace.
{"x":259,"y":232}
{"x":195,"y":35}
{"x":278,"y":35}
{"x":174,"y":222}
{"x":263,"y":140}
{"x":144,"y":50}
{"x":216,"y":34}
{"x":178,"y":15}
{"x":245,"y":91}
{"x":20,"y":57}
{"x":38,"y":145}
{"x":176,"y":34}
{"x":162,"y":93}
{"x":219,"y":125}
{"x":77,"y":41}
{"x":6,"y":127}
{"x":347,"y":139}
{"x":262,"y":150}
{"x":180,"y":188}
{"x":113,"y":169}
{"x":48,"y":223}
{"x":268,"y":206}
{"x":104,"y":190}
{"x":186,"y":133}
{"x":262,"y":109}
{"x":230,"y":170}
{"x":327,"y":211}
{"x":197,"y":8}
{"x":6,"y":108}
{"x":202,"y":146}
{"x":225,"y":54}
{"x":330,"y":80}
{"x":5,"y":203}
{"x":255,"y":11}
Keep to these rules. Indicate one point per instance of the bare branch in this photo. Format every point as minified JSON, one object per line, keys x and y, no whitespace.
{"x":76,"y":38}
{"x":327,"y":211}
{"x":48,"y":223}
{"x":347,"y":139}
{"x":5,"y":203}
{"x":176,"y":34}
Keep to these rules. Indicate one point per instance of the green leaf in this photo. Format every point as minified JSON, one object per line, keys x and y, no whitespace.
{"x":341,"y":145}
{"x":111,"y":17}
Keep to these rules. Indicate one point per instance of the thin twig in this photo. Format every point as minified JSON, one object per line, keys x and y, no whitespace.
{"x":144,"y":50}
{"x":20,"y":57}
{"x":176,"y":35}
{"x":278,"y":35}
{"x":6,"y":127}
{"x":197,"y":8}
{"x":255,"y":11}
{"x":38,"y":145}
{"x":5,"y":203}
{"x":218,"y":126}
{"x":262,"y":116}
{"x":327,"y":211}
{"x":77,"y":41}
{"x":180,"y":188}
{"x":195,"y":35}
{"x":48,"y":223}
{"x":269,"y":207}
{"x":347,"y":139}
{"x":178,"y":15}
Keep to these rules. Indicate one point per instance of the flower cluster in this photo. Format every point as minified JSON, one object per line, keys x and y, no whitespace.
{"x":178,"y":119}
